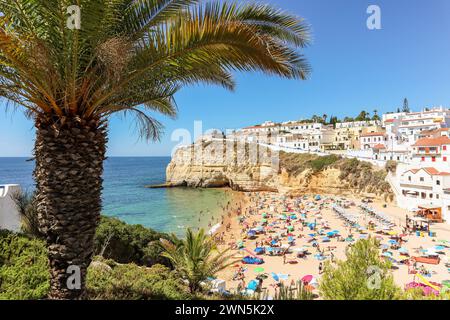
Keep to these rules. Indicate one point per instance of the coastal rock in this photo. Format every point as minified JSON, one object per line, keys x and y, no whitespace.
{"x":201,"y":165}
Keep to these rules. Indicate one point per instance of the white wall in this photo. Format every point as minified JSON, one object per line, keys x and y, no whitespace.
{"x":9,"y":215}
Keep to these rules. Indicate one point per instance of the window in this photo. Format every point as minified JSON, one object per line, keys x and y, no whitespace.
{"x":438,"y":182}
{"x":422,"y":179}
{"x":423,"y":159}
{"x":409,"y":178}
{"x":437,"y":196}
{"x":431,"y":196}
{"x":423,"y":195}
{"x":433,"y":159}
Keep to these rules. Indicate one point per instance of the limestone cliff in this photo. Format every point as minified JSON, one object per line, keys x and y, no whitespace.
{"x":218,"y":165}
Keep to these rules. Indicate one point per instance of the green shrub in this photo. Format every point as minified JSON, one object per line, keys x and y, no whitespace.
{"x":323,"y":162}
{"x":132,"y":282}
{"x":362,"y":276}
{"x":114,"y":239}
{"x":124,"y":243}
{"x":24,"y":270}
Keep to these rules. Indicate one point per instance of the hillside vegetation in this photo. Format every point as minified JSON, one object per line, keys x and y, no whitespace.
{"x":359,"y":176}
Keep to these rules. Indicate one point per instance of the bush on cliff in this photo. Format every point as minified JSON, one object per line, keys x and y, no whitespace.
{"x":126,"y":243}
{"x":132,"y":282}
{"x":25,"y":274}
{"x":24,"y":270}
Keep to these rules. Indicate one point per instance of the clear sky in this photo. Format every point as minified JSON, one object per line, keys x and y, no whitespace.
{"x":354,"y":68}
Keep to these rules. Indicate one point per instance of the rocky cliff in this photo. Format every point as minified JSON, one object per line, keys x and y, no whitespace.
{"x":248,"y":167}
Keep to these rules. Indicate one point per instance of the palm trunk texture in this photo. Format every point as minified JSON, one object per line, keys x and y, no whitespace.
{"x":69,"y":165}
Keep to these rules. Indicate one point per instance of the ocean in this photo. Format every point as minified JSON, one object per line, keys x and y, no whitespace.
{"x":125,"y":196}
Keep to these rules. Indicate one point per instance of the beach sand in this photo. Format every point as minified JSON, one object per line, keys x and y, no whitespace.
{"x":252,"y":205}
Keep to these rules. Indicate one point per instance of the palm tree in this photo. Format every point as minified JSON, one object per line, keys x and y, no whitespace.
{"x":129,"y":57}
{"x":196,"y":258}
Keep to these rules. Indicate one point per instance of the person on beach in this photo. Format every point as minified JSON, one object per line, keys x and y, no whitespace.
{"x":320,"y":267}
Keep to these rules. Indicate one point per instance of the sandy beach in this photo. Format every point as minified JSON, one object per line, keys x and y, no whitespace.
{"x":304,"y":232}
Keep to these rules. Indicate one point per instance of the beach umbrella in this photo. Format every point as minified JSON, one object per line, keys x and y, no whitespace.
{"x":363,"y":236}
{"x":275,"y":276}
{"x":252,"y":285}
{"x":403,"y":250}
{"x":387,"y":254}
{"x":283,"y":276}
{"x":393,"y":242}
{"x":439,"y":248}
{"x":325,"y":239}
{"x":307,"y":279}
{"x":258,"y":270}
{"x":262,"y":276}
{"x":431,"y":252}
{"x":330,"y":234}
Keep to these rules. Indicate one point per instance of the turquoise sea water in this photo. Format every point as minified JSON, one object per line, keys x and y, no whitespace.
{"x":125,"y":197}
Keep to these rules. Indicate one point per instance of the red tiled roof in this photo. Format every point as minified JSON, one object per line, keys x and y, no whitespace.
{"x":372,"y":134}
{"x":380,"y":146}
{"x":430,"y":170}
{"x":427,"y":142}
{"x":389,"y":120}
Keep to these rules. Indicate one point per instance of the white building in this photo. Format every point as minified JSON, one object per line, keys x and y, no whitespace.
{"x":9,"y":215}
{"x":426,"y":187}
{"x":371,"y":139}
{"x":357,"y":124}
{"x":407,"y":128}
{"x":433,"y":152}
{"x":309,"y":142}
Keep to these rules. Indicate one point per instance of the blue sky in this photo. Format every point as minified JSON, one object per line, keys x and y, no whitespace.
{"x":353,"y":69}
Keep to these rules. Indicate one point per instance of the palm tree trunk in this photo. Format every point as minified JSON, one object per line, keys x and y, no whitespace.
{"x":69,"y":165}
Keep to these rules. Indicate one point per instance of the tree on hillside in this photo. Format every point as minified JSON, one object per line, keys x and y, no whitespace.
{"x":130,"y":58}
{"x":196,"y":257}
{"x":363,"y":116}
{"x":348,"y":119}
{"x":362,"y":276}
{"x":375,"y":116}
{"x":334,"y":120}
{"x":405,"y":106}
{"x":317,"y":119}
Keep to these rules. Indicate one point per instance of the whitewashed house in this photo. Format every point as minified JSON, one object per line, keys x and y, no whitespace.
{"x":371,"y":139}
{"x":425,"y":187}
{"x":9,"y":215}
{"x":433,"y":152}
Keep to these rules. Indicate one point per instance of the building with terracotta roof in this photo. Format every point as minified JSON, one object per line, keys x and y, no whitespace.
{"x":425,"y":186}
{"x":431,"y":152}
{"x":369,"y":140}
